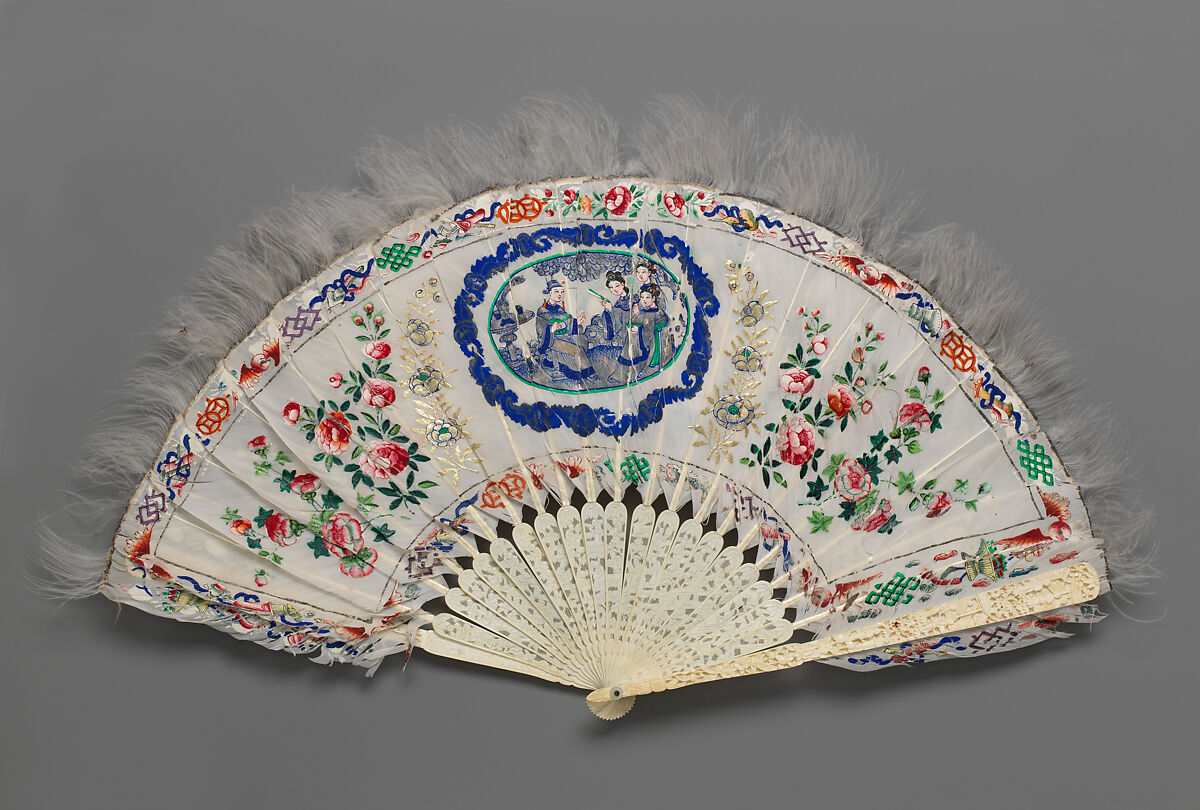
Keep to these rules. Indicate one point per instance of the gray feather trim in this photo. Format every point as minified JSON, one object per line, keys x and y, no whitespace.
{"x":829,"y":180}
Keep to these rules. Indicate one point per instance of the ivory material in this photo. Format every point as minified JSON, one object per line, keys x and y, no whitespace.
{"x":1073,"y":585}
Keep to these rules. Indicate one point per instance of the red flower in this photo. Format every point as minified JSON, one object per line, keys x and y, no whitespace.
{"x":257,"y":442}
{"x":291,"y":413}
{"x":569,"y":195}
{"x":279,"y":528}
{"x":573,"y":466}
{"x":360,"y":563}
{"x":138,"y":546}
{"x":940,"y":504}
{"x":820,"y":345}
{"x":306,"y":482}
{"x":240,"y":526}
{"x":378,"y":393}
{"x":871,"y":521}
{"x":914,"y":414}
{"x":923,"y":374}
{"x":333,"y":434}
{"x":867,"y":406}
{"x":851,"y":480}
{"x":384,"y":459}
{"x":796,"y":442}
{"x":261,"y":579}
{"x":841,"y":399}
{"x":617,"y":200}
{"x":1060,"y":530}
{"x":342,"y":535}
{"x":377,"y":349}
{"x":674,"y":202}
{"x":795,"y":381}
{"x":858,"y":355}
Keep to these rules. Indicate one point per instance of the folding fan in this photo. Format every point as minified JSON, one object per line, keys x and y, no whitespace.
{"x":625,"y":429}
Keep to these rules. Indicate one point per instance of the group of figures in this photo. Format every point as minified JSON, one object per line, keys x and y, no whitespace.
{"x":632,"y":338}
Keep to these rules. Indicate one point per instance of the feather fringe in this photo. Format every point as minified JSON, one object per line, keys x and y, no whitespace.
{"x":830,"y":180}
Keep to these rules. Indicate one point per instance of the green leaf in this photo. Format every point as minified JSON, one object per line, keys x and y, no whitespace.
{"x":252,"y":540}
{"x":972,"y":505}
{"x":426,"y":484}
{"x":960,"y":484}
{"x":318,"y":547}
{"x":817,"y":488}
{"x":904,"y":482}
{"x":819,"y":521}
{"x":260,"y":519}
{"x":893,"y":454}
{"x":913,"y":447}
{"x":914,"y":504}
{"x":878,"y":440}
{"x":779,"y":479}
{"x":913,"y":393}
{"x":848,"y":509}
{"x":984,"y":488}
{"x":930,"y":484}
{"x":330,"y":500}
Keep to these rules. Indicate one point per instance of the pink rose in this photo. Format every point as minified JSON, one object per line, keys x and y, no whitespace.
{"x":279,"y":528}
{"x":384,"y":459}
{"x":291,"y":413}
{"x":871,"y":521}
{"x":673,"y":201}
{"x":257,"y":442}
{"x":336,"y":380}
{"x":569,"y":195}
{"x":820,"y":345}
{"x":851,"y":480}
{"x":239,"y":526}
{"x":377,"y":393}
{"x":841,"y":399}
{"x":377,"y":349}
{"x":795,"y":381}
{"x":913,"y":414}
{"x":940,"y":504}
{"x":306,"y":482}
{"x":796,"y":442}
{"x":333,"y":433}
{"x":342,"y":535}
{"x":617,"y":200}
{"x":858,"y":355}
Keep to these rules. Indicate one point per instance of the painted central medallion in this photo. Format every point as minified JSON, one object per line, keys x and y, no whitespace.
{"x":601,"y":321}
{"x":592,"y":328}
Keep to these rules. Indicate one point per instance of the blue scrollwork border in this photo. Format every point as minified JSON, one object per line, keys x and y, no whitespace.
{"x":584,"y":419}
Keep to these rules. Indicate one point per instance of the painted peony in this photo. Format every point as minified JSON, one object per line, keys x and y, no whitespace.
{"x":279,"y":529}
{"x":384,"y":459}
{"x":870,"y":521}
{"x":377,"y":349}
{"x":333,"y":433}
{"x":342,"y":535}
{"x":378,"y":393}
{"x":257,"y":443}
{"x":851,"y":480}
{"x":240,"y":526}
{"x":796,"y":441}
{"x":795,"y":381}
{"x":673,"y":201}
{"x":841,"y":399}
{"x":617,"y":200}
{"x":820,"y":345}
{"x":291,"y":413}
{"x":940,"y":504}
{"x":305,"y":482}
{"x":913,"y":414}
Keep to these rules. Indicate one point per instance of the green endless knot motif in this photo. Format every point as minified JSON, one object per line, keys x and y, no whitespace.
{"x":894,"y":590}
{"x":1036,"y":462}
{"x":397,"y":257}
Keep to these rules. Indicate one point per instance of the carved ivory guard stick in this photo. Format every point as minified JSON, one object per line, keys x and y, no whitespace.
{"x":1071,"y":586}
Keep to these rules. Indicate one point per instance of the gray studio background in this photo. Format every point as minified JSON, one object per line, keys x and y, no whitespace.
{"x":135,"y":138}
